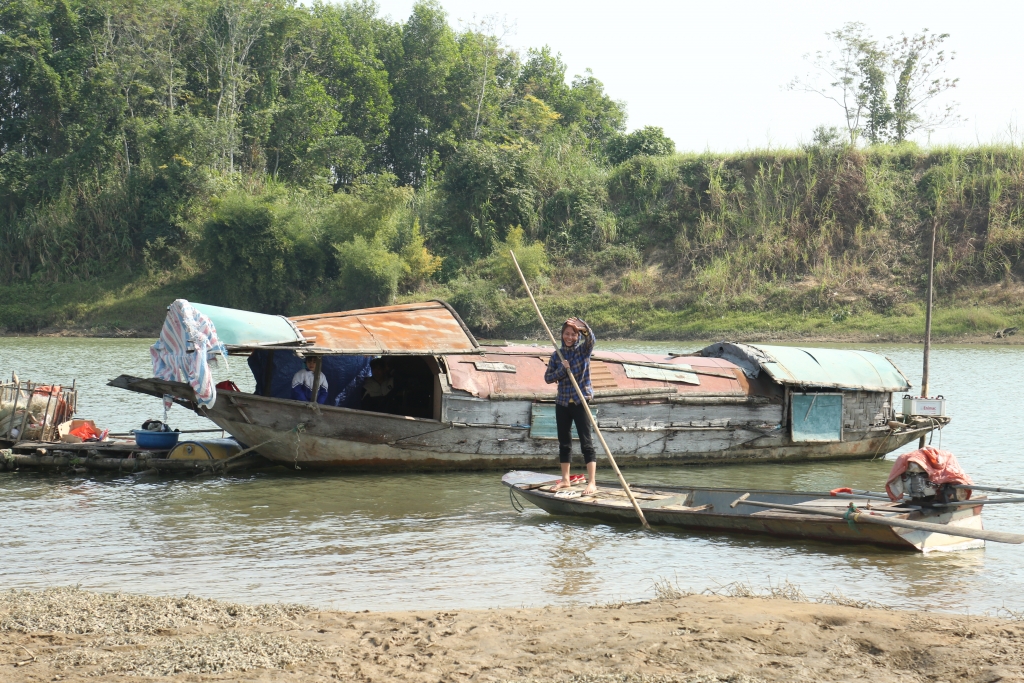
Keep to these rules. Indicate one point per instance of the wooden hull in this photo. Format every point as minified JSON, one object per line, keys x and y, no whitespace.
{"x":719,"y":517}
{"x":475,"y":434}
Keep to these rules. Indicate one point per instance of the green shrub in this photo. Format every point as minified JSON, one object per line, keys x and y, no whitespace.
{"x":616,"y":257}
{"x":533,"y":260}
{"x":248,"y":254}
{"x":368,"y":274}
{"x":648,"y":141}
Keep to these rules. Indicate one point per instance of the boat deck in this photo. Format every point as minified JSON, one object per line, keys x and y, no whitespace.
{"x":654,"y":499}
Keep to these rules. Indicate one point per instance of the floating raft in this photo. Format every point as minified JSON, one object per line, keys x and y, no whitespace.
{"x":208,"y":455}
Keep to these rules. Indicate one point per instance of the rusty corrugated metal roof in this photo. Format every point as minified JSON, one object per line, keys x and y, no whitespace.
{"x":428,"y":328}
{"x":717,"y":377}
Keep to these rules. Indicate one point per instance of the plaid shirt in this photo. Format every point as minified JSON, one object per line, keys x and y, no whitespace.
{"x":578,"y":356}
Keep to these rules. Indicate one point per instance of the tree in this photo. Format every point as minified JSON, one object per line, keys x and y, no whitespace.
{"x":838,"y":75}
{"x":233,"y":27}
{"x":649,"y":140}
{"x":860,"y":75}
{"x":918,"y":64}
{"x":489,"y":189}
{"x":421,"y":123}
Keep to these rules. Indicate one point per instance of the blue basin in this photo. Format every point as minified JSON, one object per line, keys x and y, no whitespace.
{"x":156,"y":440}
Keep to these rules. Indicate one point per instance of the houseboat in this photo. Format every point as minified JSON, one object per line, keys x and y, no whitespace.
{"x":458,"y":404}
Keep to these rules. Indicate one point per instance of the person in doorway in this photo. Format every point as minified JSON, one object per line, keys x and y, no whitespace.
{"x":378,"y":386}
{"x":577,"y":345}
{"x":302,"y":384}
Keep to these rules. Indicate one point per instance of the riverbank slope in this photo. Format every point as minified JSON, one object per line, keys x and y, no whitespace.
{"x":135,"y":307}
{"x":72,"y":635}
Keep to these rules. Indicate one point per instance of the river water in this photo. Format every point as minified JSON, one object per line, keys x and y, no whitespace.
{"x":453,"y":540}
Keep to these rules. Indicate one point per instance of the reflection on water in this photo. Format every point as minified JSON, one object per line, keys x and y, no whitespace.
{"x":453,"y":540}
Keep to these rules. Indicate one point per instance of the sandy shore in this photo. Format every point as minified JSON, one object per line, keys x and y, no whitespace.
{"x":68,"y":634}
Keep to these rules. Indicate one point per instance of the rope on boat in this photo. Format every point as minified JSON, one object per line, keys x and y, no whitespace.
{"x":516,"y":505}
{"x":849,"y":514}
{"x":301,"y":427}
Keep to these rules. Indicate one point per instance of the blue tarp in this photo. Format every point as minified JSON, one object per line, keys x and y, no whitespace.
{"x":340,"y":372}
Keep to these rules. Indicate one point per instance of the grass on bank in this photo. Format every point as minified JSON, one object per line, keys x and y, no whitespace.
{"x":135,"y":306}
{"x":114,"y":306}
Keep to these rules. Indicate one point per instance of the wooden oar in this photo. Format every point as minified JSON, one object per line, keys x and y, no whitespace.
{"x":992,"y":489}
{"x":983,"y":534}
{"x":583,"y":401}
{"x":982,"y":501}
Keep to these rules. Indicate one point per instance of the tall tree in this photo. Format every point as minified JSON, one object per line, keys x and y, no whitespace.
{"x":422,"y":120}
{"x":918,"y":65}
{"x":838,"y":76}
{"x":886,"y":91}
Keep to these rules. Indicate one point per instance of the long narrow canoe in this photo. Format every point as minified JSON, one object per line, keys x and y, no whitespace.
{"x":709,"y":509}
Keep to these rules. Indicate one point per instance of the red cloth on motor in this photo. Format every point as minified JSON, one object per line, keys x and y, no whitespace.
{"x":941,"y":466}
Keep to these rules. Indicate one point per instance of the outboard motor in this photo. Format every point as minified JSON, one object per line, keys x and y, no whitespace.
{"x":921,"y":491}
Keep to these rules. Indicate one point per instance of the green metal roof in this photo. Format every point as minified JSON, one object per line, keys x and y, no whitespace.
{"x":243,"y":328}
{"x":836,"y":368}
{"x":804,"y":367}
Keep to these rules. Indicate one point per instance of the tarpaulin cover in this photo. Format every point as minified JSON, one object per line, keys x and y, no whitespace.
{"x":187,"y":341}
{"x":245,"y":329}
{"x":941,"y":466}
{"x":339,"y":371}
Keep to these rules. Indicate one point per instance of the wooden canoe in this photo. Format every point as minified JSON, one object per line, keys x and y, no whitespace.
{"x":709,"y":509}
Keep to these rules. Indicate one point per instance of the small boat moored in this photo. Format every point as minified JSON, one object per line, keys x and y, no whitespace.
{"x":941,"y":519}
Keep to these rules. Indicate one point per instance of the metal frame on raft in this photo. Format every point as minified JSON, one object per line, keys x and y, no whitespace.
{"x":17,"y":394}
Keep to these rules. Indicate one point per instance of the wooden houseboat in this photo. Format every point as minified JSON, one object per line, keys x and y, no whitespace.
{"x":463,"y":405}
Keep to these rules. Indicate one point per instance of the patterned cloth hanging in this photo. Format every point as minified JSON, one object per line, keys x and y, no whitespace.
{"x":188,"y":342}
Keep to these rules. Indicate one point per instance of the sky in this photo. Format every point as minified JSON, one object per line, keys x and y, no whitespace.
{"x":711,"y":74}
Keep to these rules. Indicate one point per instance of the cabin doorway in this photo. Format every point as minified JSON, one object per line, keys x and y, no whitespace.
{"x":413,"y":386}
{"x":410,"y":383}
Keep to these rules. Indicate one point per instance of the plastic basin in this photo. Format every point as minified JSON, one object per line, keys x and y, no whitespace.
{"x":156,"y":440}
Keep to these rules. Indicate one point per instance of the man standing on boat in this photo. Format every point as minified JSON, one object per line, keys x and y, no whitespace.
{"x":577,"y":345}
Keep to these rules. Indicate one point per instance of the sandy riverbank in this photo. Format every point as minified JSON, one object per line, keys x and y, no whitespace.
{"x":72,"y":635}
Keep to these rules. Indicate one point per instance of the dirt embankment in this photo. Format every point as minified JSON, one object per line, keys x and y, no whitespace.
{"x":72,"y":635}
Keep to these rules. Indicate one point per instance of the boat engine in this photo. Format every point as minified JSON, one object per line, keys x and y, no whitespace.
{"x":921,"y":491}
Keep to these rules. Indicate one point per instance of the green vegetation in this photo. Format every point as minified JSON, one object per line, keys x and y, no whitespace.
{"x":294,"y":159}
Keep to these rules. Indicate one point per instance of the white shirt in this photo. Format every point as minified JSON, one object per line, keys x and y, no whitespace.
{"x":377,"y":388}
{"x":305,"y":378}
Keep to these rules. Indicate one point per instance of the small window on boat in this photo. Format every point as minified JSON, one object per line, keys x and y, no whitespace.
{"x":817,"y":418}
{"x":665,"y":373}
{"x":488,"y":366}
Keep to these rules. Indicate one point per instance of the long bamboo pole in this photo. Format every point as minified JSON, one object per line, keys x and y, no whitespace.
{"x":583,"y":401}
{"x":928,"y":322}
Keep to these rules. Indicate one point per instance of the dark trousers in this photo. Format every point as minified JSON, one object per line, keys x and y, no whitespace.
{"x":564,"y":417}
